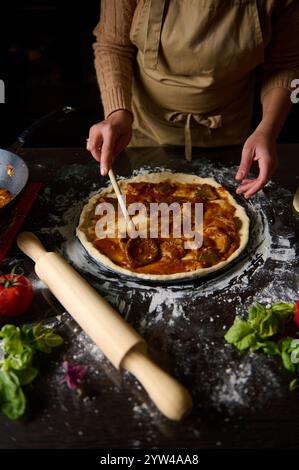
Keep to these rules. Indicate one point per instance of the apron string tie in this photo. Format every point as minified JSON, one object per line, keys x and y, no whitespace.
{"x":210,"y":122}
{"x":188,"y":138}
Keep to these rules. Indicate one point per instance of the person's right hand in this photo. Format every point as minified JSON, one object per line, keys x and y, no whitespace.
{"x":108,"y":138}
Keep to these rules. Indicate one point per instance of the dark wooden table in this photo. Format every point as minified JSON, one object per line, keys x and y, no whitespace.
{"x":239,"y":401}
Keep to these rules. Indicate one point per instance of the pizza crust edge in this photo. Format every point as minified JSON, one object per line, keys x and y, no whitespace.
{"x":88,"y":209}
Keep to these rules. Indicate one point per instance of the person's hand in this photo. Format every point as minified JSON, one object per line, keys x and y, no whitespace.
{"x":259,"y":147}
{"x":108,"y":138}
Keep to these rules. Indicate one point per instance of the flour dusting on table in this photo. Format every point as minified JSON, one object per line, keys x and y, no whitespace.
{"x":173,"y":318}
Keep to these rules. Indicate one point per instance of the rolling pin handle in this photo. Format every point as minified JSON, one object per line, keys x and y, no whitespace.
{"x":170,"y":397}
{"x":31,"y":245}
{"x":99,"y":321}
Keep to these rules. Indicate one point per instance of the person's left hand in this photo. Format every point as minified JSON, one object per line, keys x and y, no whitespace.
{"x":258,"y":147}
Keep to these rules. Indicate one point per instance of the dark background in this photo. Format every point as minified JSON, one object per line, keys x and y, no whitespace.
{"x":47,"y":63}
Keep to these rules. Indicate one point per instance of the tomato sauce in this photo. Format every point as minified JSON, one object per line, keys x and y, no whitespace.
{"x":219,"y":215}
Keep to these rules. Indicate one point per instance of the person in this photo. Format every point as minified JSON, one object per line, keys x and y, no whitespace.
{"x":184,"y":72}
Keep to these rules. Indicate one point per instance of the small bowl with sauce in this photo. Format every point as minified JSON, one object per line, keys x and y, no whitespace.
{"x":14,"y":176}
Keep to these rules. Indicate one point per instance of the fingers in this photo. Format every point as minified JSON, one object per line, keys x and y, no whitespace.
{"x":251,"y":188}
{"x":122,"y":143}
{"x":108,"y":138}
{"x":108,"y":151}
{"x":101,"y":143}
{"x":266,"y":168}
{"x":246,"y":162}
{"x":94,"y":143}
{"x":267,"y":165}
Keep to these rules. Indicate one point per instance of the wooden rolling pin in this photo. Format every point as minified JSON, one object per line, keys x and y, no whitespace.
{"x":122,"y":345}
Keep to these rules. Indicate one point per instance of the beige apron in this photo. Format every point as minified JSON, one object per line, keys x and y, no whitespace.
{"x":194,"y":74}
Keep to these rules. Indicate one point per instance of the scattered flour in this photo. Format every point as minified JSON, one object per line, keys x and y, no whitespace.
{"x":262,"y":274}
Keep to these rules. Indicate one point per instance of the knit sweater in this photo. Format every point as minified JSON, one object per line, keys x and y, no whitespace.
{"x":114,"y":52}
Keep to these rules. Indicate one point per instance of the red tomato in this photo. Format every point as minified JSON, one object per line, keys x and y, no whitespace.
{"x":296,"y":314}
{"x":15,"y":295}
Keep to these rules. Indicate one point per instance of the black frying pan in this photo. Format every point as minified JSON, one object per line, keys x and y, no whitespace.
{"x":14,"y":172}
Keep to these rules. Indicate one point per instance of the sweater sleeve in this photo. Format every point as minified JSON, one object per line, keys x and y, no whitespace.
{"x":282,"y":55}
{"x":114,"y":54}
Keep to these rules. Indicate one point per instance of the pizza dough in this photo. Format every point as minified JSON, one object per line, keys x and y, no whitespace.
{"x":86,"y":232}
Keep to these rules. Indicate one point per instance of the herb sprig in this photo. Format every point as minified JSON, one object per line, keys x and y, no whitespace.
{"x":21,"y":346}
{"x":263,"y":330}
